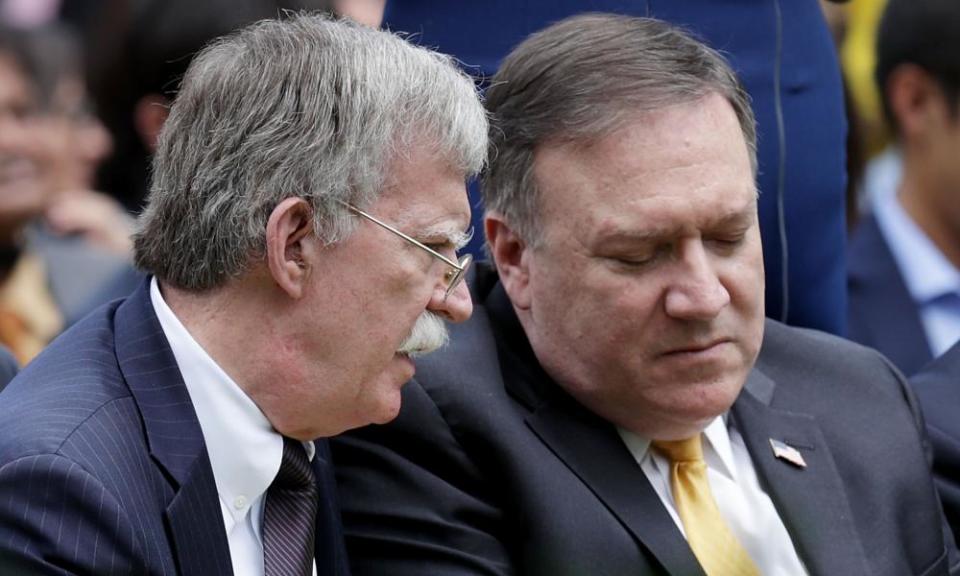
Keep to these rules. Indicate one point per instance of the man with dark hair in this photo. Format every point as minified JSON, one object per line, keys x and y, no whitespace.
{"x":904,"y":270}
{"x":618,"y":404}
{"x":307,"y":201}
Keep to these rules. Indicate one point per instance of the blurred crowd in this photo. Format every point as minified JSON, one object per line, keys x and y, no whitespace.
{"x":84,"y":90}
{"x":857,"y":174}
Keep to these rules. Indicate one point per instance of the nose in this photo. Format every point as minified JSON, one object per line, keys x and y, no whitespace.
{"x":697,"y":293}
{"x":457,"y":307}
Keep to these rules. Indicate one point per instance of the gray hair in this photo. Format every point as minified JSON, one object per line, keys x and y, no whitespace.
{"x":581,"y":79}
{"x":301,"y":107}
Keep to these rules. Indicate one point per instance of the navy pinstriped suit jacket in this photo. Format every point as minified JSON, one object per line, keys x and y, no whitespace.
{"x":103,"y":468}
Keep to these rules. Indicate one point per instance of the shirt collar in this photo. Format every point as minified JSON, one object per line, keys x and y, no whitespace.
{"x":717,"y":451}
{"x":244,"y":449}
{"x":926,"y":272}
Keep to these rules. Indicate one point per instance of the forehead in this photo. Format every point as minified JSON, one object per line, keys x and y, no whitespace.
{"x":423,"y":189}
{"x":680,"y":166}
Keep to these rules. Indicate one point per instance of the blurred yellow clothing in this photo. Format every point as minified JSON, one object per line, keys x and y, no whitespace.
{"x":859,"y":58}
{"x":29,"y":317}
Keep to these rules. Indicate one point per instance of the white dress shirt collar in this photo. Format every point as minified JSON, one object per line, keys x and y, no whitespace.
{"x":717,"y":451}
{"x":244,"y":449}
{"x":737,"y":491}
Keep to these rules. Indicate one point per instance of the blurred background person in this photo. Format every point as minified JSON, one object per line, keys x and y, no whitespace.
{"x":140,"y":50}
{"x":28,"y":318}
{"x":904,"y":269}
{"x":64,"y":245}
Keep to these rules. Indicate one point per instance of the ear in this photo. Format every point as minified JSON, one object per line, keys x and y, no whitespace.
{"x":915,"y":100}
{"x":149,"y":114}
{"x":512,"y":258}
{"x":288,"y":228}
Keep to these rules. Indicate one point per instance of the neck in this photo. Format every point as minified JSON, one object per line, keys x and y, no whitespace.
{"x":919,"y":197}
{"x":226,"y":325}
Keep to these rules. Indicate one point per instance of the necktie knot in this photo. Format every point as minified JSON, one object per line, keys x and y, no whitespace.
{"x":295,"y":471}
{"x":687,"y":450}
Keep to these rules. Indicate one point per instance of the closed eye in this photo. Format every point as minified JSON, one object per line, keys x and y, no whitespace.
{"x":728,"y":240}
{"x":639,"y":259}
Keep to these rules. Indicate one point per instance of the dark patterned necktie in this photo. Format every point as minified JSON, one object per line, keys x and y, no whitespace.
{"x":289,"y":515}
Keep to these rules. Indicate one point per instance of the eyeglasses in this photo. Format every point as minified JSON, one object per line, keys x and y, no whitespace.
{"x":451,"y":279}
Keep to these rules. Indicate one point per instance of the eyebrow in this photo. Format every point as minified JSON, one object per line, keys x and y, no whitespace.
{"x":740,"y":218}
{"x":457,"y":237}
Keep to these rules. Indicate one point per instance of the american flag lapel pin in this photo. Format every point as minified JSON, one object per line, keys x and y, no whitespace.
{"x":786,"y":452}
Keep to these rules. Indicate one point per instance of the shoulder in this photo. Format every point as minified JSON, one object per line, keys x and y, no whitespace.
{"x":790,"y":348}
{"x":62,"y":390}
{"x":937,"y":388}
{"x":942,"y":372}
{"x":807,"y":363}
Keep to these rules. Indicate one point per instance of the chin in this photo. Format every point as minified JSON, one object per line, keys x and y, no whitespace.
{"x":713,"y":399}
{"x":386,"y":408}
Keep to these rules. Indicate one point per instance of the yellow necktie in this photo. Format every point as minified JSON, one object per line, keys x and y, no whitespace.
{"x":712,"y":542}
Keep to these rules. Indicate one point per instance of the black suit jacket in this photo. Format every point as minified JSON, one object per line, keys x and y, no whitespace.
{"x":8,"y":367}
{"x":881,"y":312}
{"x":103,"y":468}
{"x":492,"y":469}
{"x":938,"y":390}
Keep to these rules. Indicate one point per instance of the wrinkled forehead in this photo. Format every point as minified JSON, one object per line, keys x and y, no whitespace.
{"x":426,"y":189}
{"x":687,"y":162}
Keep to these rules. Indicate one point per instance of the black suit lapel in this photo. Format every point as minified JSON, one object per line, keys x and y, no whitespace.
{"x":811,"y":500}
{"x":588,"y":445}
{"x":329,"y":549}
{"x":593,"y":450}
{"x":197,"y":534}
{"x":194,"y":520}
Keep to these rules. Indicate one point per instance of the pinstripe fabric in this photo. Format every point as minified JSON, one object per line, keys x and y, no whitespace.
{"x":103,"y":469}
{"x":289,"y":516}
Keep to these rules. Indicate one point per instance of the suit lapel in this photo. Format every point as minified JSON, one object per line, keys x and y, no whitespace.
{"x":329,"y":549}
{"x":196,"y":524}
{"x":589,"y":446}
{"x":811,"y":500}
{"x":884,"y":315}
{"x":174,"y":437}
{"x":593,"y":451}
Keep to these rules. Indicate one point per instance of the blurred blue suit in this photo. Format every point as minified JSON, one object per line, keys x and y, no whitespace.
{"x":785,"y":58}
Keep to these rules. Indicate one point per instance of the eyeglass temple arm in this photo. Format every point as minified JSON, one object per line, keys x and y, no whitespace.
{"x":414,"y":241}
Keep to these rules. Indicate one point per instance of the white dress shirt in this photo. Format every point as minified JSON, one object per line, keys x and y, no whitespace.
{"x":931,"y":279}
{"x":745,"y":507}
{"x":245,"y":451}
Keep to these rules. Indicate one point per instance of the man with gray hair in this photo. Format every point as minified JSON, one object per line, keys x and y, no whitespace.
{"x":307,"y":203}
{"x":618,"y":404}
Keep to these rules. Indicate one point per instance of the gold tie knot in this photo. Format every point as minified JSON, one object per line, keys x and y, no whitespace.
{"x":688,"y":450}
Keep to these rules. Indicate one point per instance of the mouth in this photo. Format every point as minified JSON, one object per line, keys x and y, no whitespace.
{"x":697,"y":348}
{"x":409,"y":368}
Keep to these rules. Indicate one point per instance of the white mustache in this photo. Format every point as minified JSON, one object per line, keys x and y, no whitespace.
{"x":427,"y":335}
